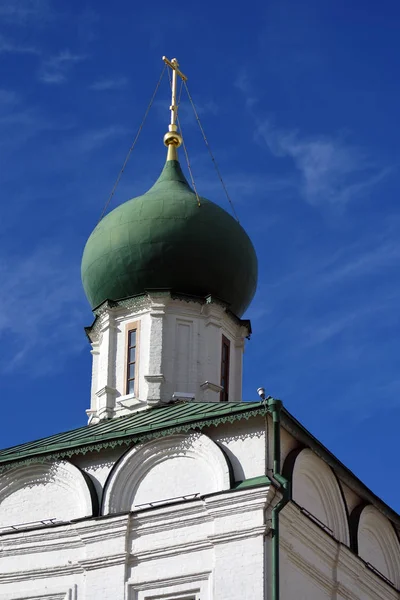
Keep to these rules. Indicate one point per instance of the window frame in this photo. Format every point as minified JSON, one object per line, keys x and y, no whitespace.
{"x":224,"y":393}
{"x":133,"y":326}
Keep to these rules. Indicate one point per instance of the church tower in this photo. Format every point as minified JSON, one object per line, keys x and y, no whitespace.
{"x":192,"y":494}
{"x":168,"y":275}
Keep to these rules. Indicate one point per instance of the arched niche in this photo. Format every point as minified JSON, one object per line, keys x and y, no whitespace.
{"x":40,"y":491}
{"x":377,"y":542}
{"x":315,"y":488}
{"x":164,"y":469}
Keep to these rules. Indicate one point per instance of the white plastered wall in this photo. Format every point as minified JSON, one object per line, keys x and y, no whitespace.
{"x":97,"y":465}
{"x":173,"y":467}
{"x":179,"y":352}
{"x":244,"y":445}
{"x":315,"y":566}
{"x":44,"y":490}
{"x":316,"y":489}
{"x":212,"y":547}
{"x":378,"y":544}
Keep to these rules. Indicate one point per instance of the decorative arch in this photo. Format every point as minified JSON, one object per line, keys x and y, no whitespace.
{"x":44,"y":491}
{"x":377,"y":542}
{"x":315,"y":488}
{"x":164,"y":469}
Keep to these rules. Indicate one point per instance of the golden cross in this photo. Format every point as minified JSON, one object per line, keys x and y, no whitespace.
{"x":173,"y":64}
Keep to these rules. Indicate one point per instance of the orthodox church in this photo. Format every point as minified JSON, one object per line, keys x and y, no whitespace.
{"x":177,"y":489}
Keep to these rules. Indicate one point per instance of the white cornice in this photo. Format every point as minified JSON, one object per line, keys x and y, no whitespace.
{"x":171,"y":581}
{"x":238,"y":534}
{"x":104,"y":561}
{"x":297,"y":529}
{"x":168,"y":551}
{"x":29,"y":575}
{"x":367,"y":582}
{"x":168,"y":524}
{"x":56,"y":592}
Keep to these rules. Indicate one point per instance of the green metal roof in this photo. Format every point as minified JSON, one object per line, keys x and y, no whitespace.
{"x":147,"y":424}
{"x":167,"y":420}
{"x":164,"y":240}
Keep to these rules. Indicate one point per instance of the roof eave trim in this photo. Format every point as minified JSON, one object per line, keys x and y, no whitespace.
{"x":133,"y":438}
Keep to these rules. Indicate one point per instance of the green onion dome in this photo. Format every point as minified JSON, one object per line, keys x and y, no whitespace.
{"x":165,"y":240}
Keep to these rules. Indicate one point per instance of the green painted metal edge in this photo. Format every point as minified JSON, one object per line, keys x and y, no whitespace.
{"x":252,"y":482}
{"x":301,"y":433}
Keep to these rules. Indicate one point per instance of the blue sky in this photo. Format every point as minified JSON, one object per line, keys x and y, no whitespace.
{"x":299,"y":100}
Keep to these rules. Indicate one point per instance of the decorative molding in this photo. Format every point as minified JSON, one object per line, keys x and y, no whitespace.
{"x":234,"y":501}
{"x":214,"y":387}
{"x":185,"y":587}
{"x":297,"y":529}
{"x":347,"y":566}
{"x":119,"y":310}
{"x":157,"y":378}
{"x":150,"y":521}
{"x":176,"y":523}
{"x":172,"y":581}
{"x":41,"y":540}
{"x":236,"y":535}
{"x":95,"y":351}
{"x":168,"y":551}
{"x":103,"y":562}
{"x":376,"y":526}
{"x":125,"y":478}
{"x":62,"y":474}
{"x":107,"y":391}
{"x":303,"y":436}
{"x":192,"y":586}
{"x":106,"y":323}
{"x":37,"y":594}
{"x":317,"y":575}
{"x":47,"y":573}
{"x":136,"y":438}
{"x":103,"y":529}
{"x":128,"y":404}
{"x":307,"y":467}
{"x":301,"y":526}
{"x":159,"y":301}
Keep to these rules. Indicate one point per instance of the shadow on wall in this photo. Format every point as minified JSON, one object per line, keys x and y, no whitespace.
{"x":318,"y":493}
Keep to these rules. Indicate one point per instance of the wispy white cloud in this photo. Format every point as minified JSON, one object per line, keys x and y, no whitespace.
{"x":243,"y":84}
{"x":317,"y":274}
{"x":8,"y":98}
{"x":105,"y":85}
{"x":240,"y":185}
{"x":21,"y":12}
{"x":87,"y":23}
{"x":41,"y":303}
{"x":8,"y":46}
{"x":95,"y":139}
{"x":322,"y":330}
{"x":55,"y":70}
{"x":187,"y":115}
{"x":362,"y":262}
{"x":343,"y":302}
{"x":331,"y":171}
{"x":19,"y":124}
{"x":209,"y":107}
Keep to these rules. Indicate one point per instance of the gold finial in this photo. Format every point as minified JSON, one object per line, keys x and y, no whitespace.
{"x":173,"y":139}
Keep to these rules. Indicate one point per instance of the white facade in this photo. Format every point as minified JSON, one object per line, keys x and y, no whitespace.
{"x":179,"y":353}
{"x":171,"y":521}
{"x":185,"y":515}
